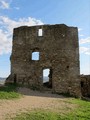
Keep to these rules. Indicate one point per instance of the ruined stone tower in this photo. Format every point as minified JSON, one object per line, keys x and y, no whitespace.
{"x":58,"y":51}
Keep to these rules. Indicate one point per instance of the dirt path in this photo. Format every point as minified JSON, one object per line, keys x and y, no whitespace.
{"x":32,"y":100}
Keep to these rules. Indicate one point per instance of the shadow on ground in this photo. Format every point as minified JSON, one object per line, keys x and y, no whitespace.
{"x":8,"y":88}
{"x":29,"y":92}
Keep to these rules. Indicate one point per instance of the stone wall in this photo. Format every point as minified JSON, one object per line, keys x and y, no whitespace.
{"x":85,"y":85}
{"x":58,"y":50}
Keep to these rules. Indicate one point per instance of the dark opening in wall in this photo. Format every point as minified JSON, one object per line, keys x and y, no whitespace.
{"x":35,"y":55}
{"x":82,"y":83}
{"x":40,"y":32}
{"x":47,"y":77}
{"x":67,"y":67}
{"x":15,"y":79}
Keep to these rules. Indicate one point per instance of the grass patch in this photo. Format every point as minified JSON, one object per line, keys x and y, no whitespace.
{"x":9,"y":92}
{"x":82,"y":112}
{"x":38,"y":115}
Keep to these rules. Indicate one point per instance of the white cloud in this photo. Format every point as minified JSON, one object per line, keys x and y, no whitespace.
{"x":79,"y":29}
{"x":86,"y":40}
{"x":6,"y":30}
{"x":4,"y":4}
{"x":5,"y":43}
{"x":84,"y":50}
{"x":9,"y":24}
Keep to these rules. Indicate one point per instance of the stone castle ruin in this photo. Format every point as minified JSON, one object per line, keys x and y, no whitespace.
{"x":52,"y":47}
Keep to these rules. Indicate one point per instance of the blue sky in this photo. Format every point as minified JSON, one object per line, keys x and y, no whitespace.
{"x":14,"y":13}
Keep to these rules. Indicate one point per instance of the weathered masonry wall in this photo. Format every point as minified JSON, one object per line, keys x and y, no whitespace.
{"x":58,"y":50}
{"x":85,"y":85}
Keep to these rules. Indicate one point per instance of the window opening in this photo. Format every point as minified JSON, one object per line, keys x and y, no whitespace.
{"x":35,"y":55}
{"x":40,"y":32}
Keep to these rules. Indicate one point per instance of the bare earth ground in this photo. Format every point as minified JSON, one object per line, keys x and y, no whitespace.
{"x":33,"y":100}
